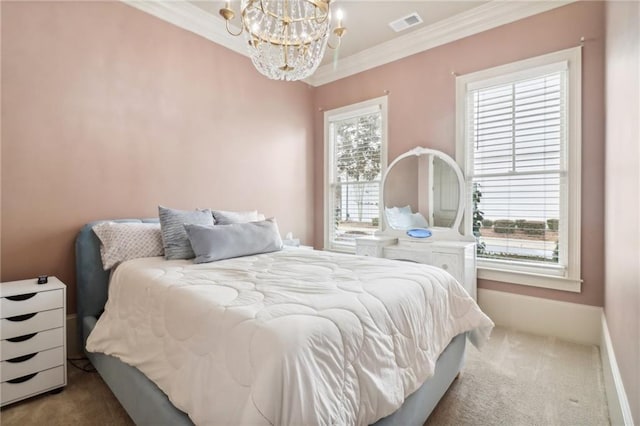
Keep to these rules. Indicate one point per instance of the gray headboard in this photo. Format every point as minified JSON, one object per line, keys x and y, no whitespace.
{"x":92,"y":281}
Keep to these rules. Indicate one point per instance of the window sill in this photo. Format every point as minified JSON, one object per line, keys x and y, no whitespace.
{"x":530,"y":279}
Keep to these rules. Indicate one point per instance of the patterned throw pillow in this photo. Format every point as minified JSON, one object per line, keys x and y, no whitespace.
{"x":174,"y":237}
{"x":128,"y":240}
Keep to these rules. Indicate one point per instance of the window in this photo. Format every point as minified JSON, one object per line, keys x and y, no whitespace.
{"x":355,"y":159}
{"x":519,"y":145}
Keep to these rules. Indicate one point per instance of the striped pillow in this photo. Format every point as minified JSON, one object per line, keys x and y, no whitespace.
{"x":174,"y":237}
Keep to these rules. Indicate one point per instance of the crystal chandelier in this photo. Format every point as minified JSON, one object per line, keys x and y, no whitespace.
{"x":287,"y":38}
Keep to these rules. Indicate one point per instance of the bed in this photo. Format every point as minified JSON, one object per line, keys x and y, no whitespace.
{"x":146,"y":403}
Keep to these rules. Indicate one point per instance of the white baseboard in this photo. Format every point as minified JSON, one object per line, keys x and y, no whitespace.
{"x":619,"y":410}
{"x":73,"y":349}
{"x":567,"y":321}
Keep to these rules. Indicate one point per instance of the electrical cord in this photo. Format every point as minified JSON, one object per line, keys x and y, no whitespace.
{"x":87,"y":367}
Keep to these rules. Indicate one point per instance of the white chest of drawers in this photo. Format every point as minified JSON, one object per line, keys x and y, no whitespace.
{"x":456,"y":257}
{"x":33,"y":338}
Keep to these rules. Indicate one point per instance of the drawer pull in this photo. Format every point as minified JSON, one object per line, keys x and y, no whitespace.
{"x":23,"y":378}
{"x":22,"y":358}
{"x":445,"y":266}
{"x":20,"y":297}
{"x":24,"y":317}
{"x":22,"y":338}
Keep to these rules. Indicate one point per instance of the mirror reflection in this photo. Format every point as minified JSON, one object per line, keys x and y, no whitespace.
{"x":421,"y":191}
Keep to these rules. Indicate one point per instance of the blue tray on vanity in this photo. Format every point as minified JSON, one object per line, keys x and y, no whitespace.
{"x":419,"y":233}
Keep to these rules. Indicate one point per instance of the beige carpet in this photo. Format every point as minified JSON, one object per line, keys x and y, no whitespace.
{"x":520,"y":379}
{"x":517,"y":379}
{"x":85,"y":401}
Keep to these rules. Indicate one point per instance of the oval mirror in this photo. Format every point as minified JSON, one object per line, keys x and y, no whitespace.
{"x":423,"y":188}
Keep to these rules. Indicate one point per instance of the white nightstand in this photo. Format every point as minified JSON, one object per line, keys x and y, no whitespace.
{"x":294,"y":243}
{"x":33,"y":349}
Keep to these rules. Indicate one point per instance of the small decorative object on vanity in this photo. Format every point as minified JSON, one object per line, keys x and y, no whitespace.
{"x":423,"y":195}
{"x":33,"y":350}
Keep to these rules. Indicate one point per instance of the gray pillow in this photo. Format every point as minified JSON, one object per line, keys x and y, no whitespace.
{"x":174,"y":237}
{"x":219,"y":242}
{"x":223,"y":217}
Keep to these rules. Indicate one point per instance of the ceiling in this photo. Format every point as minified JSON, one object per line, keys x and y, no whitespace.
{"x":369,"y":41}
{"x":367,"y":21}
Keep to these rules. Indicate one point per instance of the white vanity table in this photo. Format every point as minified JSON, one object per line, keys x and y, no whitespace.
{"x":415,"y":180}
{"x":456,"y":257}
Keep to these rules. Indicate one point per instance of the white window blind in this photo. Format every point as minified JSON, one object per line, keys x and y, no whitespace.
{"x":355,"y":166}
{"x":518,"y":140}
{"x":517,"y":132}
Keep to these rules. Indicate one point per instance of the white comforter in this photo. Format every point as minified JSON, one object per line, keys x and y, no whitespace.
{"x":292,"y":337}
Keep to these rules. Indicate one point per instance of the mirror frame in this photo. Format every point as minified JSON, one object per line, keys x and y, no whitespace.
{"x":418,"y":151}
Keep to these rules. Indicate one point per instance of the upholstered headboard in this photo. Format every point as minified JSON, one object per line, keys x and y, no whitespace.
{"x":92,"y":280}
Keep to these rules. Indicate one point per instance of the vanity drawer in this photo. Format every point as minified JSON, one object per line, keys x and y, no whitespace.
{"x":363,"y":250}
{"x":32,"y":384}
{"x":27,"y":303}
{"x":30,"y":323}
{"x":32,"y":363}
{"x":30,"y":343}
{"x":373,"y":245}
{"x":450,"y":263}
{"x":407,"y":254}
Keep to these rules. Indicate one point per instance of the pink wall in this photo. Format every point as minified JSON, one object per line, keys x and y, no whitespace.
{"x":622,"y":207}
{"x":108,"y":111}
{"x":422,"y":112}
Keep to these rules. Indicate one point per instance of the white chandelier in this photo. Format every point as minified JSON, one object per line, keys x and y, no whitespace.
{"x":287,"y":38}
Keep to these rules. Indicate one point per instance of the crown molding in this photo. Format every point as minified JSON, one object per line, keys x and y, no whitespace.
{"x":473,"y":21}
{"x":482,"y":18}
{"x":189,"y":17}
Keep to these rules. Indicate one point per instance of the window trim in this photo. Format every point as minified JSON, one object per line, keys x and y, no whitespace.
{"x":570,"y":281}
{"x":343,"y":113}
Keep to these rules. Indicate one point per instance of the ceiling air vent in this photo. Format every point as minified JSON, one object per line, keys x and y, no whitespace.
{"x":406,"y":22}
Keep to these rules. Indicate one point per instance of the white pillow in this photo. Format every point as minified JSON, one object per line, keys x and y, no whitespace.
{"x":399,"y":210}
{"x":127,"y":240}
{"x":397,"y":216}
{"x":418,"y":221}
{"x":403,"y":218}
{"x":223,"y":217}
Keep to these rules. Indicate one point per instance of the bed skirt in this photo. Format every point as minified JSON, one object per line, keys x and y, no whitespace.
{"x":146,"y":404}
